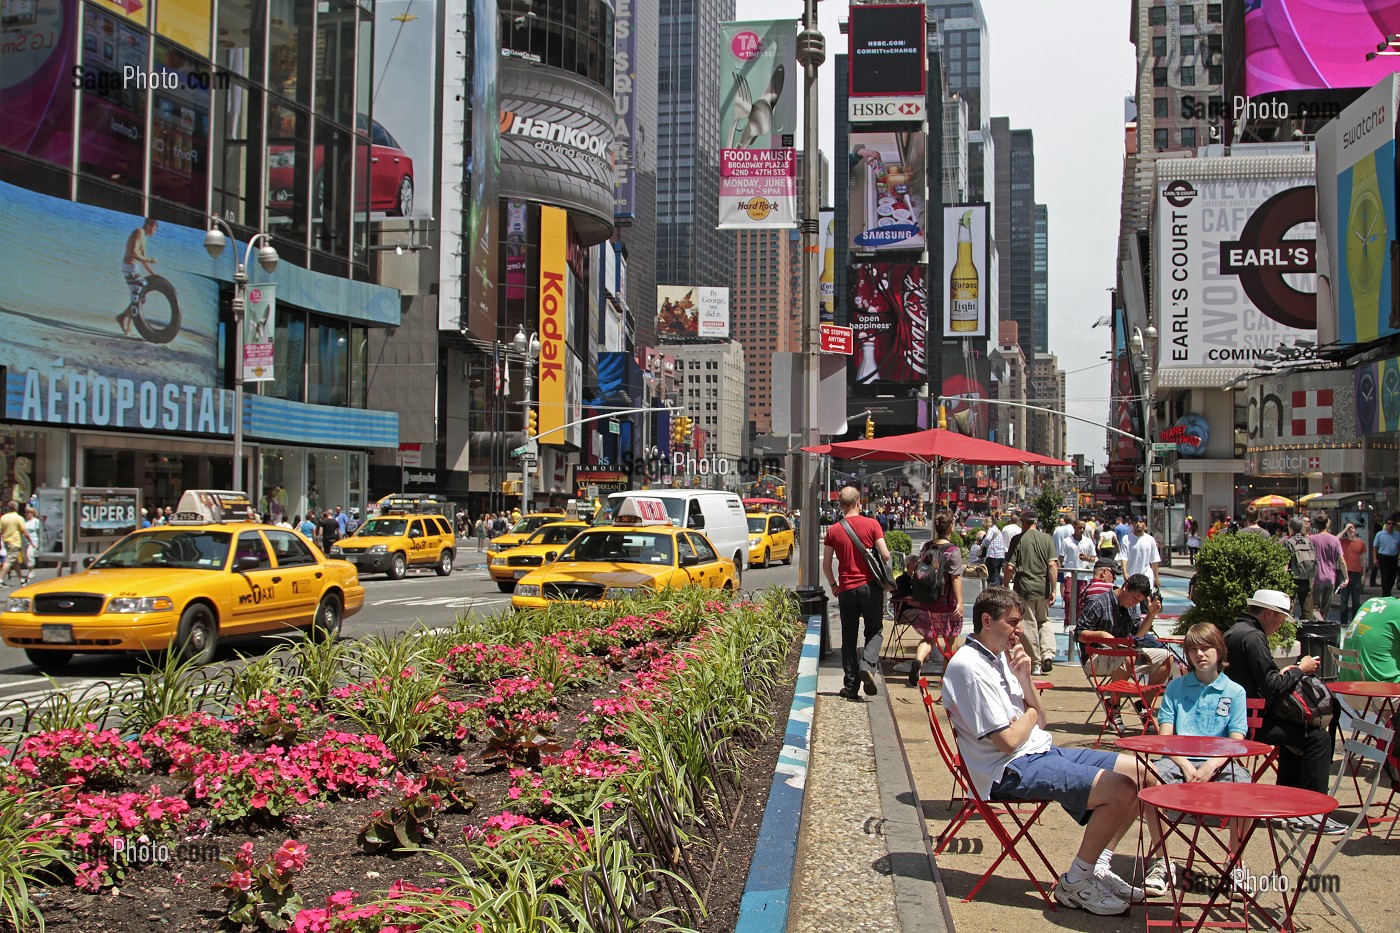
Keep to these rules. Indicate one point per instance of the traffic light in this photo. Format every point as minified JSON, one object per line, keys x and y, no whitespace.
{"x":688,"y":432}
{"x":869,"y":428}
{"x":676,"y":432}
{"x":532,"y":423}
{"x":943,"y":417}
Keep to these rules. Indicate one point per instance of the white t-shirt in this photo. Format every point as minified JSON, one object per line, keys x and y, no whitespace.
{"x":1009,"y":531}
{"x":983,"y":697}
{"x":1061,"y":534}
{"x":1077,"y":555}
{"x":1141,"y":553}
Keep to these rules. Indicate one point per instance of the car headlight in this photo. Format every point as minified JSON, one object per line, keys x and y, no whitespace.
{"x":335,"y":551}
{"x":755,"y":542}
{"x":619,"y":592}
{"x":141,"y":604}
{"x":498,"y":562}
{"x":527,"y":589}
{"x":18,"y":604}
{"x":379,"y":548}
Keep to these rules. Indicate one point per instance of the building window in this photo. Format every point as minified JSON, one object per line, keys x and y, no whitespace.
{"x":1160,"y":109}
{"x":1159,"y":77}
{"x":1188,"y":45}
{"x":1159,"y":46}
{"x":1157,"y":16}
{"x":1187,"y":14}
{"x":1213,"y":12}
{"x":1188,"y":76}
{"x":1188,"y":137}
{"x":1161,"y":139}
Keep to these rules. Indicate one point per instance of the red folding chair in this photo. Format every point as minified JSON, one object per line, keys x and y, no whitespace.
{"x":1112,"y":690}
{"x":1254,"y":713}
{"x":973,"y":804}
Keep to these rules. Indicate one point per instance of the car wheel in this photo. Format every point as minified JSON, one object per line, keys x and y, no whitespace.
{"x":738,"y":569}
{"x":767,"y":557}
{"x":326,"y":626}
{"x":787,"y":560}
{"x":398,"y":567}
{"x":198,"y":636}
{"x":444,"y":566}
{"x":404,"y":206}
{"x":505,"y":587}
{"x":48,"y":660}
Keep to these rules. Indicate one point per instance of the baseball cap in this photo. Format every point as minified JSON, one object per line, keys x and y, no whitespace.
{"x":1029,"y":516}
{"x":1106,"y":563}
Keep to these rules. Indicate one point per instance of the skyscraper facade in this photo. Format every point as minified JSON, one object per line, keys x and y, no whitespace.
{"x":1040,"y":279}
{"x":965,"y":51}
{"x":689,"y":250}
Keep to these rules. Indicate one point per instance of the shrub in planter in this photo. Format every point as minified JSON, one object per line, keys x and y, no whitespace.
{"x":1229,"y":568}
{"x":897,"y":540}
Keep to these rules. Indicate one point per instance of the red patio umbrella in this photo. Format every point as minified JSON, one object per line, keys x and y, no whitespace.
{"x":935,"y":447}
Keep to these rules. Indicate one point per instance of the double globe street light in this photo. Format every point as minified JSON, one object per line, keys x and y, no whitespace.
{"x":214,"y":242}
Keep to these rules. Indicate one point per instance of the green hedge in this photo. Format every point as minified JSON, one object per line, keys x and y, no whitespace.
{"x":1229,"y":568}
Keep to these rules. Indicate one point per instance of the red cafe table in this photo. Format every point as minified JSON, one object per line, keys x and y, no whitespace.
{"x":1220,"y":803}
{"x":1384,"y":697}
{"x":1191,"y":746}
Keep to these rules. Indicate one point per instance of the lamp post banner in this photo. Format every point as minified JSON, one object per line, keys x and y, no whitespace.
{"x":259,"y":328}
{"x":758,"y":110}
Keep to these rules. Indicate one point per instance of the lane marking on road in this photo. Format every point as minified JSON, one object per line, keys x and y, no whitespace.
{"x":26,"y":696}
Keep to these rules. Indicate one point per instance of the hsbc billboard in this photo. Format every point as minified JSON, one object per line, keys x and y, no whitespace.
{"x":887,"y":77}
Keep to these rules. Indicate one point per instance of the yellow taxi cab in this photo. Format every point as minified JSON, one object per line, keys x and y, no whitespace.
{"x":523,"y":529}
{"x":207,"y":574}
{"x":770,"y":538}
{"x":539,"y":549}
{"x":639,"y":550}
{"x":394,"y":542}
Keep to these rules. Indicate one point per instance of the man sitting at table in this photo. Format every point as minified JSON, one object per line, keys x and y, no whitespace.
{"x":1375,"y":635}
{"x":1109,"y":615}
{"x":997,"y":714}
{"x":1206,"y":703}
{"x":1305,"y":754}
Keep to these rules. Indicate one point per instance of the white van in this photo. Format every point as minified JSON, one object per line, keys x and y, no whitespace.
{"x":719,"y":514}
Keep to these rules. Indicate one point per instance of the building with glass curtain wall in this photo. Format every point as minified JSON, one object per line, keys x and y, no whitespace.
{"x":122,"y":127}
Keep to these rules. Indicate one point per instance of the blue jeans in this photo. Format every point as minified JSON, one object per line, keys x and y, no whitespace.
{"x":1351,"y":596}
{"x":864,"y":602}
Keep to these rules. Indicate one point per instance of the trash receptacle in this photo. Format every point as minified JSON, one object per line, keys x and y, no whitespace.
{"x":1314,"y":639}
{"x":813,"y":601}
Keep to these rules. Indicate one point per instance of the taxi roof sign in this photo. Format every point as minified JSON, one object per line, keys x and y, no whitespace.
{"x":212,"y":507}
{"x":642,"y":510}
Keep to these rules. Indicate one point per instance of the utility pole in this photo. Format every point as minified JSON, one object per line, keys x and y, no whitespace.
{"x":811,"y":52}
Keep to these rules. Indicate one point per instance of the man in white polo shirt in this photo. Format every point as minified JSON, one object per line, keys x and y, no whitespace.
{"x":997,"y":715}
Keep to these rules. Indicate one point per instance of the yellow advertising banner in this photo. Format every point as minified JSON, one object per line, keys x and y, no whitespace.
{"x":554,"y":316}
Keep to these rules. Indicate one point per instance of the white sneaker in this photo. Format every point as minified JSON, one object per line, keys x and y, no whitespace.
{"x":1120,"y":888}
{"x":1089,"y":895}
{"x":1160,"y":878}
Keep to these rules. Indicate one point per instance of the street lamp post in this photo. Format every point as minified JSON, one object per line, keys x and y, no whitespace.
{"x":811,"y":52}
{"x":1144,"y":345}
{"x":530,"y":349}
{"x":215,"y":238}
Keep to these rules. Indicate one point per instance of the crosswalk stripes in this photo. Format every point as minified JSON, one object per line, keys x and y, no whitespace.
{"x":73,"y":688}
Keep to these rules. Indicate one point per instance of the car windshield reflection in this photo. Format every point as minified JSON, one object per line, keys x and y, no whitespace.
{"x":386,"y":527}
{"x":172,"y":548}
{"x":627,"y":547}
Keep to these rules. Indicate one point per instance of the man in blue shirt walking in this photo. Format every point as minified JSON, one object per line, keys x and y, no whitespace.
{"x":1385,"y":548}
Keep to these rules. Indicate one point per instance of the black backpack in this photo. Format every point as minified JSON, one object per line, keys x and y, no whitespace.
{"x":930,"y":583}
{"x":1310,"y":703}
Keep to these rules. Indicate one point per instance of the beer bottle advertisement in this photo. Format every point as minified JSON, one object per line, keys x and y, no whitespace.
{"x":965,"y":303}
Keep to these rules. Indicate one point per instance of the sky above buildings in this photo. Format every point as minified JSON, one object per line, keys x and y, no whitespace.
{"x":1061,"y":70}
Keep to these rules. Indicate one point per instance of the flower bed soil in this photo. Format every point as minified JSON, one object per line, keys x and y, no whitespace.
{"x":176,"y":894}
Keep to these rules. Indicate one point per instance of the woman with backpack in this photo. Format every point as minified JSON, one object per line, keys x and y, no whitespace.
{"x":1302,"y":565}
{"x":937,"y":589}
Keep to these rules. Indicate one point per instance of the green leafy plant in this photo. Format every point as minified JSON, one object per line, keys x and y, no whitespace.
{"x":519,"y":744}
{"x":262,"y":895}
{"x":1229,"y":568}
{"x":897,"y":540}
{"x":1047,"y":508}
{"x":26,"y":859}
{"x":412,"y":821}
{"x":168,"y":686}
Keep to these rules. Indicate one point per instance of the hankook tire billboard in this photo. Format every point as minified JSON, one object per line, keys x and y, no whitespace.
{"x":556,"y":136}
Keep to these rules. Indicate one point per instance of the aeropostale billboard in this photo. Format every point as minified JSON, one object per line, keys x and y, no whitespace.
{"x":1236,"y":263}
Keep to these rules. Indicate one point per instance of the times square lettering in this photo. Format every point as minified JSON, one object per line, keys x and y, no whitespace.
{"x":74,"y":398}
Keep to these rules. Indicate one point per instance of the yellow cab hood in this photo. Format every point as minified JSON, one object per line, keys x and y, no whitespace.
{"x":125,"y":581}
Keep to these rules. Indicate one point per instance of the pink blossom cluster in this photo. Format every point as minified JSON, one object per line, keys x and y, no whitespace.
{"x":273,"y":715}
{"x":78,"y":756}
{"x":482,"y":663}
{"x":89,"y":824}
{"x":511,"y":696}
{"x":495,"y":830}
{"x":448,"y":720}
{"x":183,"y":739}
{"x":342,"y":915}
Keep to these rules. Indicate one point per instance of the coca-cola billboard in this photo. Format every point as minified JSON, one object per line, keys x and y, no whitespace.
{"x":889,"y":316}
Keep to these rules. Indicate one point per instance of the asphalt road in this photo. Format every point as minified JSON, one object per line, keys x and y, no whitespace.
{"x":422,"y":598}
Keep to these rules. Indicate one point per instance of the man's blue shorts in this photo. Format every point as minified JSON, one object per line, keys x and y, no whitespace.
{"x":1064,"y":775}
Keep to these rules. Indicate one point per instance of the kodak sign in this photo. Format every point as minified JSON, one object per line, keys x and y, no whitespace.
{"x":554,"y":311}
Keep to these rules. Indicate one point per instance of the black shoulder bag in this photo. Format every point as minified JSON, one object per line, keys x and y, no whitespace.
{"x":873,"y":560}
